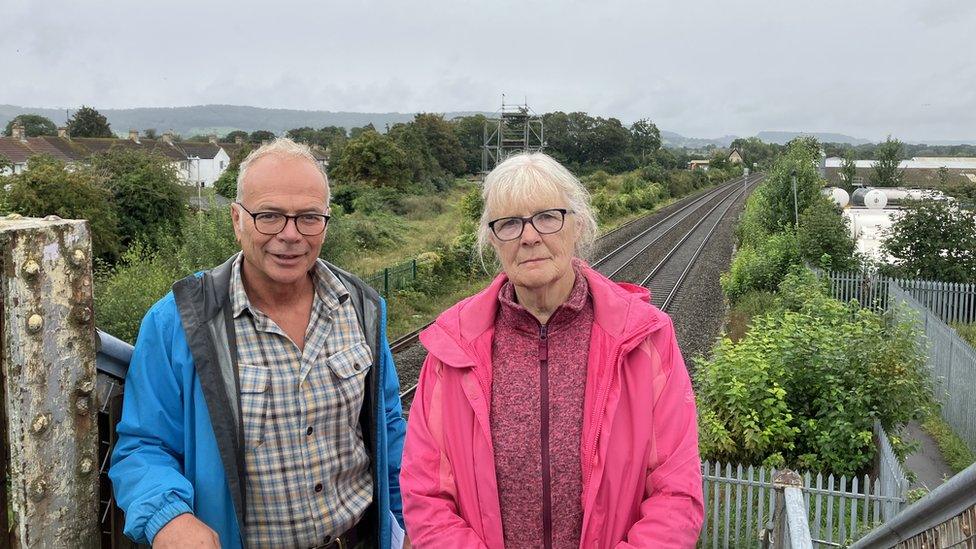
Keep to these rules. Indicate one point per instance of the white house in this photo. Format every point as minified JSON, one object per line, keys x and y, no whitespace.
{"x":205,"y":162}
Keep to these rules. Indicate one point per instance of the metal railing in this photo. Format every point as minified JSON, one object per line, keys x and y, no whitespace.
{"x":952,"y":365}
{"x":393,"y":278}
{"x":946,"y":517}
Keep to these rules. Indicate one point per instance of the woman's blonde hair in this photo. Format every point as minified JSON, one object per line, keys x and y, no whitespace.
{"x":524,"y":176}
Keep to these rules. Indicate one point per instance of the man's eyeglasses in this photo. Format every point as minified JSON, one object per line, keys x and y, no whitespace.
{"x":272,"y":223}
{"x":545,"y":222}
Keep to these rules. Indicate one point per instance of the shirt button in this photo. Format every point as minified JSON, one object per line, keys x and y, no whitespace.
{"x":308,"y":432}
{"x":318,"y":487}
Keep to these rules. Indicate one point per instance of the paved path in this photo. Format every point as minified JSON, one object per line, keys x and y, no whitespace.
{"x":927,"y":463}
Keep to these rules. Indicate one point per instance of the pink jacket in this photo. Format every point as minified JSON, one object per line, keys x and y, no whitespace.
{"x":642,"y":483}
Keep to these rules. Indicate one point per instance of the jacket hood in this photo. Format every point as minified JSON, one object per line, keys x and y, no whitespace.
{"x":621,"y":309}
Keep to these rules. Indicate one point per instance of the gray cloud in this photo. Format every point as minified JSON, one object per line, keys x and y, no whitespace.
{"x":706,"y":68}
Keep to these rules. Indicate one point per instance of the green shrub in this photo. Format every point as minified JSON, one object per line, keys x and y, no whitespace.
{"x":47,"y":188}
{"x":824,"y":231}
{"x":761,"y":267}
{"x":472,"y":204}
{"x":420,"y":207}
{"x":124,"y":293}
{"x":808,"y":379}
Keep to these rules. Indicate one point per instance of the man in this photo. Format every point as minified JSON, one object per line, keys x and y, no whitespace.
{"x":261,"y":404}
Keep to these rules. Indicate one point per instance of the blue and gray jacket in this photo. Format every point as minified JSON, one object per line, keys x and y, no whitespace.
{"x":180,"y":447}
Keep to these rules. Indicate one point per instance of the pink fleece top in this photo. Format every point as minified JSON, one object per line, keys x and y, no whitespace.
{"x":518,"y":419}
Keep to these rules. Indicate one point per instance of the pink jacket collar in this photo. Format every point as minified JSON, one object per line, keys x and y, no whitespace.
{"x":451,"y":338}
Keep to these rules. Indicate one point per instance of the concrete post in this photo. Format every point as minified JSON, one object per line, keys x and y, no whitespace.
{"x":47,"y":365}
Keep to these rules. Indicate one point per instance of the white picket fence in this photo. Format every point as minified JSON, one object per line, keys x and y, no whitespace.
{"x":739,"y":501}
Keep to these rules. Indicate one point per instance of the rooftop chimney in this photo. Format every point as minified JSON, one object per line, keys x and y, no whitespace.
{"x":17,"y":132}
{"x":239,"y":140}
{"x":133,"y":135}
{"x":212,"y":138}
{"x":63,"y":132}
{"x":168,"y":136}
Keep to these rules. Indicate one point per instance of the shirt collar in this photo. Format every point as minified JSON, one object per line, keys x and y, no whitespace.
{"x":328,"y":288}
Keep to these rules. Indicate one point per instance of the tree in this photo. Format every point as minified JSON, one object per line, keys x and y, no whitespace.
{"x":47,"y":188}
{"x":886,"y":172}
{"x":943,"y":176}
{"x":933,"y":240}
{"x":799,"y":159}
{"x":443,"y":143}
{"x":260,"y":136}
{"x":34,"y":125}
{"x":645,"y":137}
{"x":419,"y":161}
{"x":322,"y":137}
{"x":149,"y":133}
{"x":607,"y":145}
{"x":226,"y":184}
{"x":824,"y":231}
{"x":848,"y":169}
{"x":374,"y":158}
{"x":469,"y":131}
{"x":147,"y":194}
{"x":356,"y":132}
{"x":87,"y":122}
{"x":755,"y":151}
{"x":232,"y":136}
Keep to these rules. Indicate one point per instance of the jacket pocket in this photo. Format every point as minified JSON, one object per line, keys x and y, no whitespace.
{"x":255,"y":399}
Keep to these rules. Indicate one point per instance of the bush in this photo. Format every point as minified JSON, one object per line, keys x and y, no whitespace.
{"x":420,"y":207}
{"x":48,"y":188}
{"x":824,"y":231}
{"x":805,"y":384}
{"x":933,"y":240}
{"x":124,"y":293}
{"x":147,"y":193}
{"x":761,"y":267}
{"x":472,"y":204}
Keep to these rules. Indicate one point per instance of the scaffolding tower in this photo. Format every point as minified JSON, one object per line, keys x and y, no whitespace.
{"x":516,"y":129}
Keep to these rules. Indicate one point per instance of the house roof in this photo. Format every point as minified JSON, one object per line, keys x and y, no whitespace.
{"x":15,"y":150}
{"x":199,"y":150}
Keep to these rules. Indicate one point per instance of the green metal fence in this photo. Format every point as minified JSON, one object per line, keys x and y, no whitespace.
{"x":393,"y":278}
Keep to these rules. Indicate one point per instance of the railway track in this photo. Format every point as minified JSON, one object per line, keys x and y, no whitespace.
{"x":681,"y":235}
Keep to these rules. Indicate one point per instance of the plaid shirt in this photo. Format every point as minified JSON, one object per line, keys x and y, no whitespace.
{"x":308,"y":476}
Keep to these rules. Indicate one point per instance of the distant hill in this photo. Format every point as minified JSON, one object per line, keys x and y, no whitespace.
{"x":671,"y":139}
{"x":783,"y":138}
{"x":221,"y":119}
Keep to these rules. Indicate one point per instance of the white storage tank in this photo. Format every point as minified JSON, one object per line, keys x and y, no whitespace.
{"x":838,"y":195}
{"x":876,"y":199}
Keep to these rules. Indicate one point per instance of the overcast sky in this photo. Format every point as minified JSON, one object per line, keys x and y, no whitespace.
{"x":866,"y":68}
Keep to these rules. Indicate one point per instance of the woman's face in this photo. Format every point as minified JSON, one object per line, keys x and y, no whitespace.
{"x":534,"y":261}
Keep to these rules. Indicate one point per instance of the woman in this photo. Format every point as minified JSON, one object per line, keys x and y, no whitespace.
{"x":554,"y":408}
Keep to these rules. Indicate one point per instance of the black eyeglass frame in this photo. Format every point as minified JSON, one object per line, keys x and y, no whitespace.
{"x":254,"y":219}
{"x":524,"y":220}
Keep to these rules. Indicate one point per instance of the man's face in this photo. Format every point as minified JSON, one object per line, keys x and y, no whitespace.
{"x":288,"y":185}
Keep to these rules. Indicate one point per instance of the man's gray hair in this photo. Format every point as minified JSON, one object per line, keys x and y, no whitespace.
{"x":284,"y":147}
{"x":524,"y":176}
